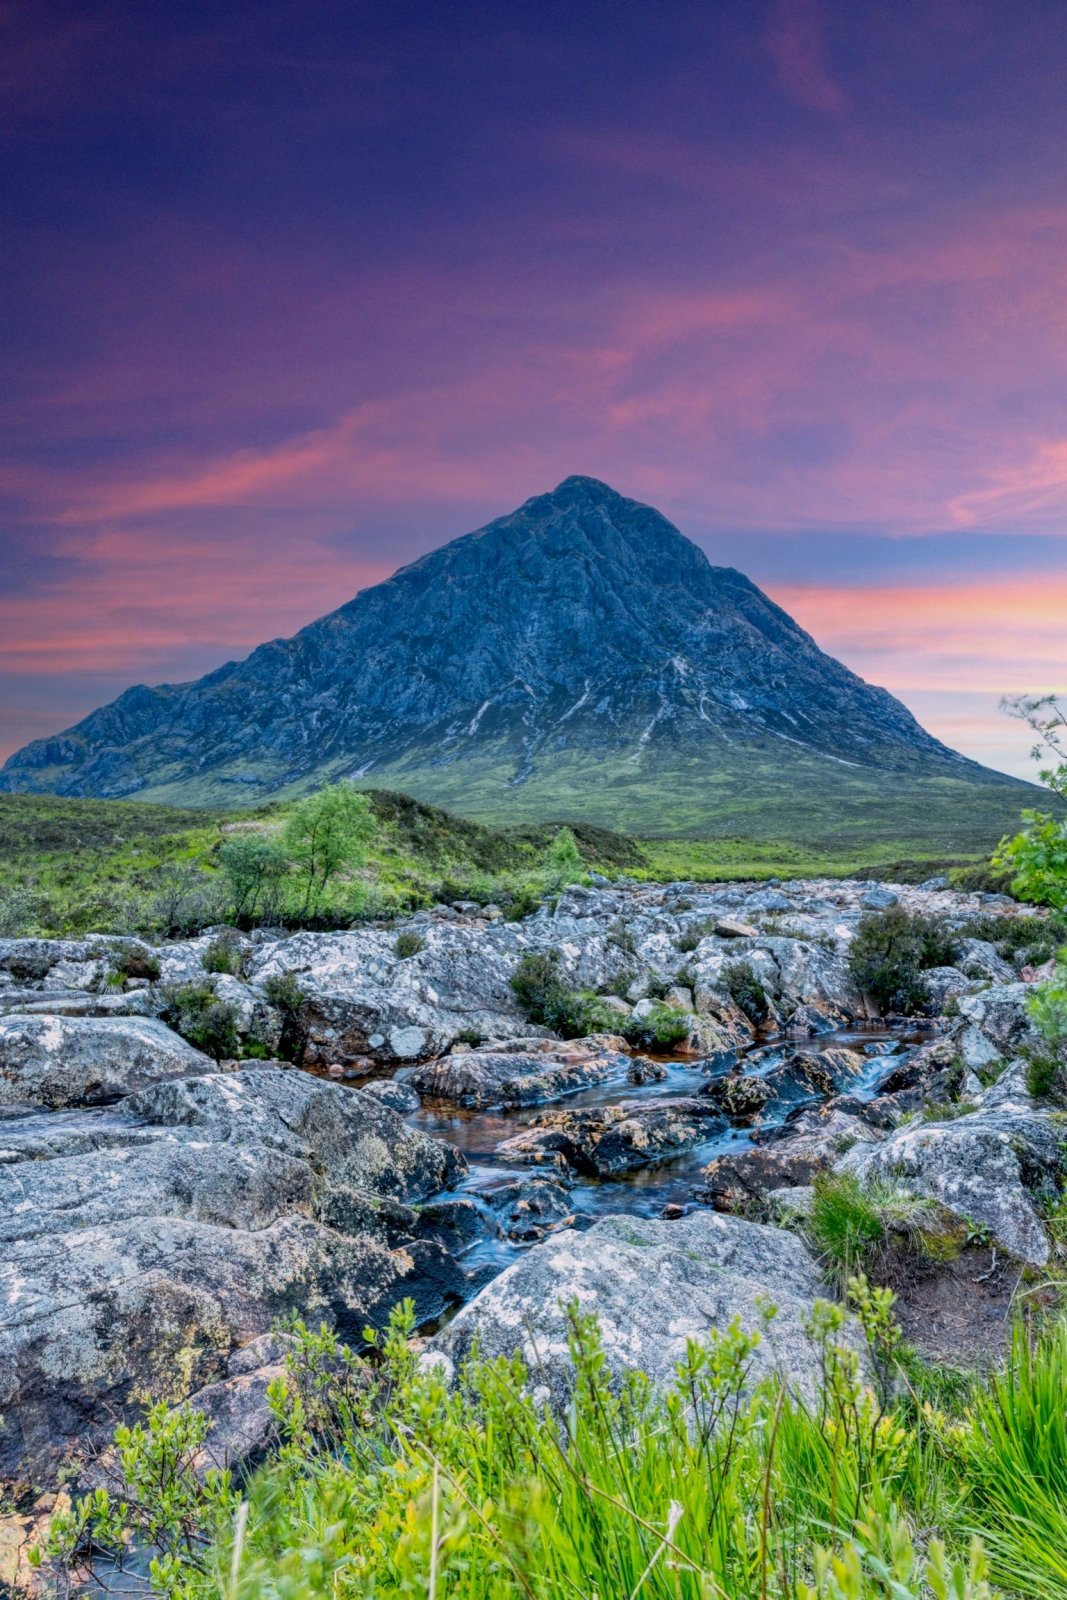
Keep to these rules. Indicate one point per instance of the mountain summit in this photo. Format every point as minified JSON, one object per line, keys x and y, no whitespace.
{"x":578,"y":658}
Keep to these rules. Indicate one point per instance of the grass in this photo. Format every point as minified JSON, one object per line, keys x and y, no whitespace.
{"x":388,"y":1482}
{"x":78,"y":866}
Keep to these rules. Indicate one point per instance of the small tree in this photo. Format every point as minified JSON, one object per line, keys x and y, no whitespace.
{"x":1038,"y":855}
{"x":564,"y":863}
{"x":327,"y":831}
{"x":254,"y":866}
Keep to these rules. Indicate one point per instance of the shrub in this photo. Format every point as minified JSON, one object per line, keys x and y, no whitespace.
{"x":665,"y":1025}
{"x":889,"y":953}
{"x":543,"y":997}
{"x":129,"y":961}
{"x":224,"y":954}
{"x":284,"y":993}
{"x":747,"y":991}
{"x":564,"y":863}
{"x":195,"y":1011}
{"x":21,"y":910}
{"x":408,"y":944}
{"x":254,"y":867}
{"x":1038,"y":859}
{"x":185,"y":901}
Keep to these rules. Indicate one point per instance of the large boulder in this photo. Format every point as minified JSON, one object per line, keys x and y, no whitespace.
{"x":141,"y":1246}
{"x":654,"y":1286}
{"x":989,"y":1167}
{"x":522,"y":1073}
{"x":994,"y":1025}
{"x":604,"y":1141}
{"x":55,"y":1061}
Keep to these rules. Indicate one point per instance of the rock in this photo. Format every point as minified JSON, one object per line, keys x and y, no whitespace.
{"x":732,"y":928}
{"x":523,"y":1073}
{"x":740,"y":1096}
{"x":399,"y":1097}
{"x":141,"y":1245}
{"x":76,"y":1061}
{"x":943,"y":983}
{"x":785,"y":1157}
{"x":528,"y":1208}
{"x":615,"y":1004}
{"x":977,"y":958}
{"x":811,"y":1020}
{"x":986,"y":1167}
{"x":879,"y":899}
{"x":603,"y":1141}
{"x":653,"y":1285}
{"x":994,"y":1025}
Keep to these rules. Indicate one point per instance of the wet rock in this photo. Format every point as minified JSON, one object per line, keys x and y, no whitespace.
{"x":740,"y":1096}
{"x":399,"y":1097}
{"x":524,"y":1073}
{"x":528,"y":1208}
{"x":783,"y":1158}
{"x":653,"y":1286}
{"x":603,"y":1141}
{"x":987,"y":1167}
{"x":74,"y":1061}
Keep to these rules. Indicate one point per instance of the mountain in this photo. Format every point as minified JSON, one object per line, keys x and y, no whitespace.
{"x":579,"y":658}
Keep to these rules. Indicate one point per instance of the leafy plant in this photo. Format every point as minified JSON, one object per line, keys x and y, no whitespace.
{"x":327,"y":831}
{"x":665,"y":1025}
{"x":195,"y":1011}
{"x":254,"y":866}
{"x":389,"y":1482}
{"x":282,"y":991}
{"x":224,"y":954}
{"x":408,"y":943}
{"x":746,"y":990}
{"x":891,"y":950}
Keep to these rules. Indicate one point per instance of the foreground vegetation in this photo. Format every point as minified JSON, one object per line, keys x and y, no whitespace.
{"x":389,"y":1482}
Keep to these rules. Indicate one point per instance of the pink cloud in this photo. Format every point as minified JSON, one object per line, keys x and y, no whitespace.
{"x":794,"y":40}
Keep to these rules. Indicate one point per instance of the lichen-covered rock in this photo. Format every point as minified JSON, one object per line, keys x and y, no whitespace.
{"x":603,"y":1141}
{"x":792,"y":1155}
{"x":140,"y":1245}
{"x":82,"y":1061}
{"x":653,"y":1287}
{"x":526,"y":1072}
{"x":987,"y":1167}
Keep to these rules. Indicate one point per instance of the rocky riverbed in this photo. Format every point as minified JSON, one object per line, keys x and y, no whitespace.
{"x":160,"y":1210}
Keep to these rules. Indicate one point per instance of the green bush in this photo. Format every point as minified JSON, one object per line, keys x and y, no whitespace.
{"x":254,"y":866}
{"x":1037,"y":858}
{"x":408,"y":944}
{"x":665,"y":1025}
{"x":747,"y":991}
{"x":195,"y":1011}
{"x":282,"y":991}
{"x":224,"y":954}
{"x":130,"y":961}
{"x":891,"y":950}
{"x":545,"y":998}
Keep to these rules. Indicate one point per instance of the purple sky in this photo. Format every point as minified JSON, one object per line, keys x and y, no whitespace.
{"x":293,"y":293}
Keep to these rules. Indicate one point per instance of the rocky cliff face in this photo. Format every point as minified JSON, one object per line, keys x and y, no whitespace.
{"x":571,"y":658}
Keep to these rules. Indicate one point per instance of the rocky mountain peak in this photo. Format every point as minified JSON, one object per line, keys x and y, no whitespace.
{"x":577,"y":657}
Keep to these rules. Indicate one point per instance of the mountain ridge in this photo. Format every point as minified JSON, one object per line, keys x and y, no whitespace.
{"x":581,"y":638}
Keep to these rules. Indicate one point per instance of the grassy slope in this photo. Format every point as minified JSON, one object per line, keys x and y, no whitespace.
{"x":85,"y":858}
{"x":767,"y":791}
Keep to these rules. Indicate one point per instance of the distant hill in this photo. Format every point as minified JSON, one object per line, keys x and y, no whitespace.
{"x":578,"y":658}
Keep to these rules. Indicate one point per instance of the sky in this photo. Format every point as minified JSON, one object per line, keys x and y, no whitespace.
{"x":292,"y":294}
